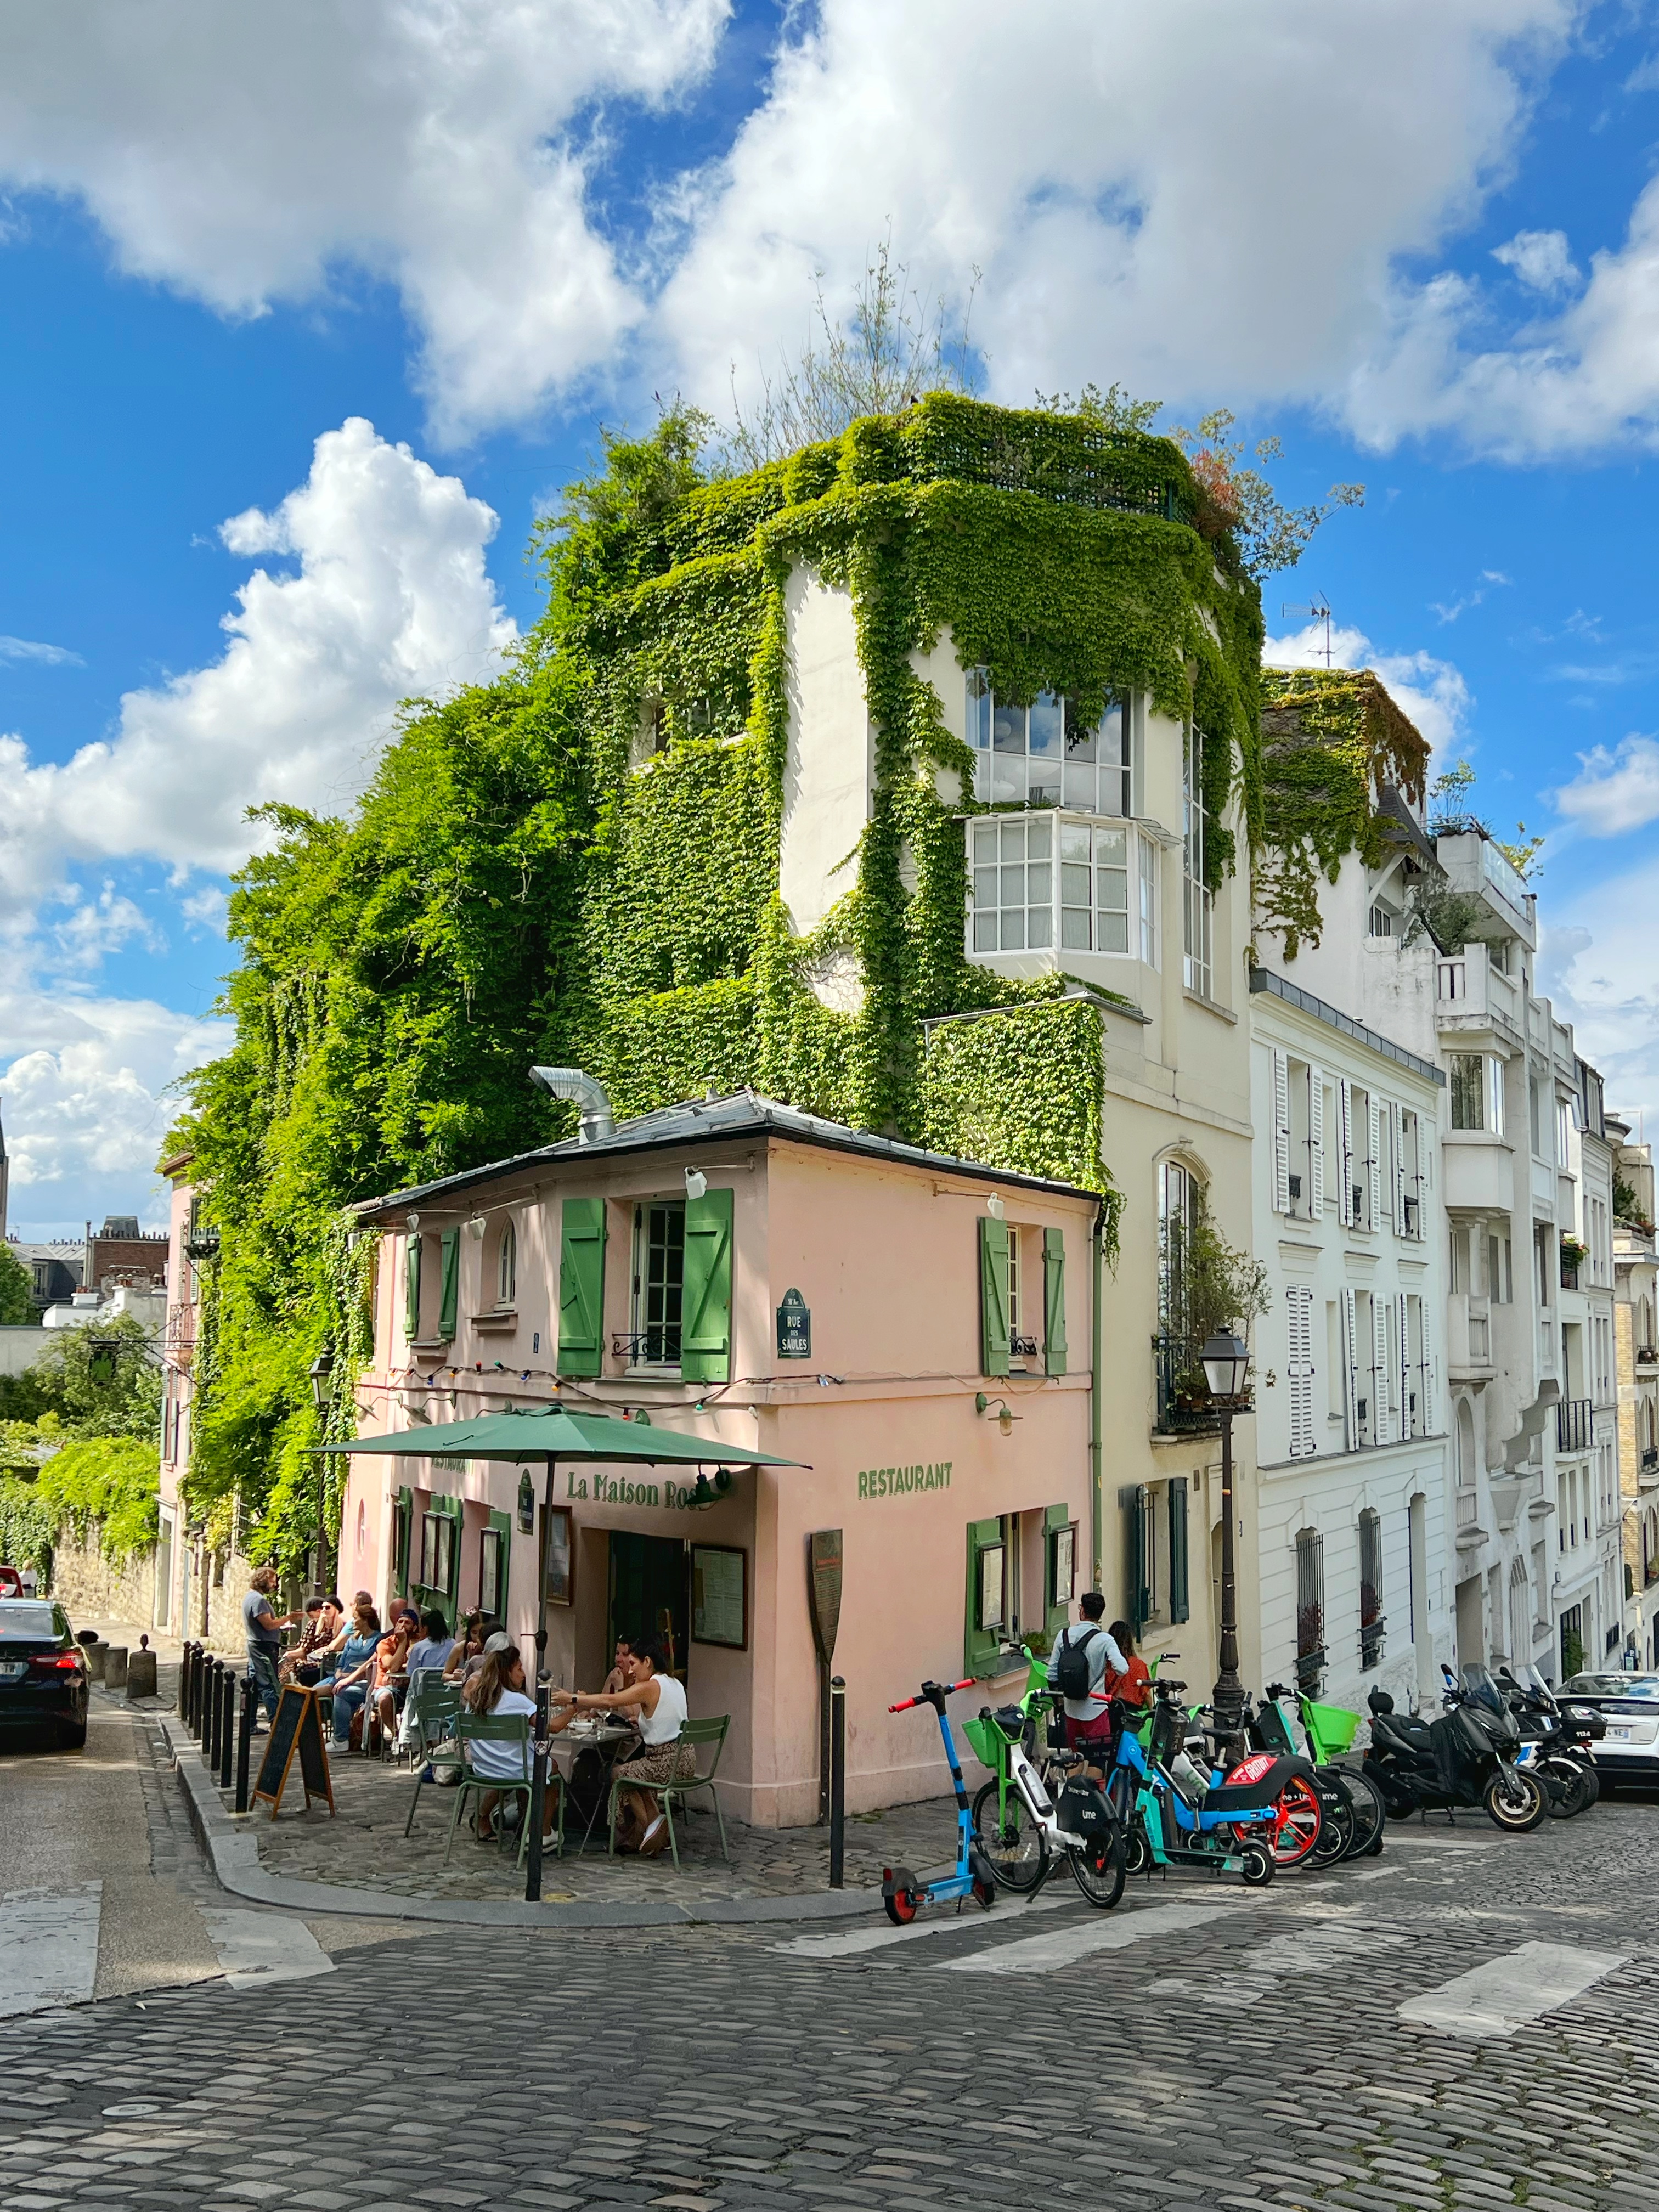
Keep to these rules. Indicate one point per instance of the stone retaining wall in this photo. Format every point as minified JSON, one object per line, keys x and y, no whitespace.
{"x":92,"y":1588}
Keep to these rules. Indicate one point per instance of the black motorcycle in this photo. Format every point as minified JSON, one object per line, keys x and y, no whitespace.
{"x":1465,"y":1758}
{"x":1555,"y":1741}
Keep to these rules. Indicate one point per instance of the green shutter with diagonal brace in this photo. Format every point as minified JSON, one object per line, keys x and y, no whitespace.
{"x":581,"y":1287}
{"x":706,"y":1303}
{"x":994,"y":1345}
{"x":980,"y":1646}
{"x":1054,"y":1301}
{"x":1057,"y":1602}
{"x":1180,"y":1603}
{"x":449,"y":1283}
{"x":412,"y":1288}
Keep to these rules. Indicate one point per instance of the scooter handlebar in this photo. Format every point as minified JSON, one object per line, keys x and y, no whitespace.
{"x":905,"y":1704}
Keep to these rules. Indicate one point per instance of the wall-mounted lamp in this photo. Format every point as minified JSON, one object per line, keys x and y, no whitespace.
{"x":1006,"y":1416}
{"x":697,"y":1182}
{"x":320,"y":1371}
{"x":411,"y":1221}
{"x":995,"y":1207}
{"x":475,"y":1228}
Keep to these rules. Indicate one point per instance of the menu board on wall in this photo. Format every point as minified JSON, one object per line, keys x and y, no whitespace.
{"x":720,"y":1595}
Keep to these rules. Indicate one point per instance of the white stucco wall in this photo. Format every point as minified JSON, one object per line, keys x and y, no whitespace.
{"x":829,"y":767}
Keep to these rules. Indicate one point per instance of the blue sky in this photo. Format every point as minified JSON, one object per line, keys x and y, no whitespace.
{"x":1420,"y":246}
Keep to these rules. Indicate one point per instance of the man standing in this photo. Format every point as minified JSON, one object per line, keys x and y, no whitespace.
{"x":264,"y":1642}
{"x":1077,"y":1667}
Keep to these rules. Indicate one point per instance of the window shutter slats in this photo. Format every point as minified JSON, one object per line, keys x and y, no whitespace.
{"x":581,"y":1286}
{"x":1298,"y":1302}
{"x":1397,"y":1151}
{"x":1054,"y":1301}
{"x":1374,"y":1161}
{"x":706,"y":1331}
{"x":412,"y":1288}
{"x":993,"y":1296}
{"x":1316,"y":1143}
{"x":1281,"y":1132}
{"x":1403,"y":1366}
{"x":1351,"y":1370}
{"x":1180,"y":1602}
{"x":449,"y":1283}
{"x":1381,"y":1430}
{"x":1345,"y":1197}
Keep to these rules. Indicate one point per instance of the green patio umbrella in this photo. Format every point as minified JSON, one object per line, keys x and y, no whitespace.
{"x":552,"y":1433}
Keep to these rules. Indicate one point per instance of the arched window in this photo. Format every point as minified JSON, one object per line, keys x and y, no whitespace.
{"x":1180,"y":1204}
{"x":1309,"y":1609}
{"x":507,"y":1266}
{"x":1371,"y":1622}
{"x":1466,"y":1454}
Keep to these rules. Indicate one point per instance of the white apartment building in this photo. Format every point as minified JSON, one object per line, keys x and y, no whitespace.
{"x":1350,"y":1423}
{"x":1636,"y":1303}
{"x":1587,"y":1599}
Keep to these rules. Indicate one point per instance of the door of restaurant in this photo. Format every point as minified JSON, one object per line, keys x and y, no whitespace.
{"x":650,"y":1588}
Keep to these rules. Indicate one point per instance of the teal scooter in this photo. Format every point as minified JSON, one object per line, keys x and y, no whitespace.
{"x":1210,"y":1831}
{"x":901,"y":1893}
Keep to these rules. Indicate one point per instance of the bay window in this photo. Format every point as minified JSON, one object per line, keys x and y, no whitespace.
{"x":1047,"y":880}
{"x":1045,"y":754}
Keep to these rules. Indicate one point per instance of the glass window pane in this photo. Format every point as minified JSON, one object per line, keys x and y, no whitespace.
{"x":1008,"y":728}
{"x":1007,"y":779}
{"x":1047,"y":725}
{"x":1112,"y":848}
{"x":1039,"y":884}
{"x":1039,"y":926}
{"x":1043,"y":788}
{"x":1011,"y":840}
{"x":1080,"y":742}
{"x":1074,"y":886}
{"x":1013,"y":931}
{"x":1039,"y":839}
{"x":979,"y":708}
{"x":1012,"y":891}
{"x":1073,"y":840}
{"x":1080,"y":789}
{"x":981,"y":777}
{"x":1114,"y":930}
{"x":985,"y":840}
{"x":1112,"y":890}
{"x":984,"y":931}
{"x":1111,"y":733}
{"x":1074,"y":929}
{"x":985,"y":886}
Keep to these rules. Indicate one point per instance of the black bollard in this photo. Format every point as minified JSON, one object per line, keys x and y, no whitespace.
{"x":205,"y":1704}
{"x":838,"y":1778}
{"x":220,"y":1700}
{"x":195,"y":1703}
{"x":210,"y":1717}
{"x":184,"y":1683}
{"x":245,"y":1742}
{"x":228,"y":1730}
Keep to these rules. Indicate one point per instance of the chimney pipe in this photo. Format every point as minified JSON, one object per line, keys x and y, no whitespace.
{"x":589,"y":1093}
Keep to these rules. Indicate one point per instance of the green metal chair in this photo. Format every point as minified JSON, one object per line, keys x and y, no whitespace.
{"x":694,"y":1732}
{"x":488,"y":1727}
{"x":435,"y":1713}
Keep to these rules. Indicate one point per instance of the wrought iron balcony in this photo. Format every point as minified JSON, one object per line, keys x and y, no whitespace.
{"x":647,"y":1347}
{"x":1574,"y":1424}
{"x":1021,"y":1347}
{"x":1184,"y":1405}
{"x":1650,"y":1459}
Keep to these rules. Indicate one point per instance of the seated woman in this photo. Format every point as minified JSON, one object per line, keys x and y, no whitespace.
{"x":388,"y":1682}
{"x":350,"y":1682}
{"x":655,"y":1702}
{"x":429,"y":1655}
{"x":322,"y":1626}
{"x":499,"y":1687}
{"x":477,"y":1638}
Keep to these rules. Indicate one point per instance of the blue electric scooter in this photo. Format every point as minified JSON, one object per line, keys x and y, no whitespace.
{"x":901,"y":1891}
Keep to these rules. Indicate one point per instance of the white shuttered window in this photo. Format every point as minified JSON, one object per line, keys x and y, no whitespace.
{"x":1373,"y":1161}
{"x":1316,"y":1143}
{"x":1281,"y":1132}
{"x":1298,"y":1302}
{"x":1350,"y":1369}
{"x":1382,"y":1432}
{"x":1345,"y":1189}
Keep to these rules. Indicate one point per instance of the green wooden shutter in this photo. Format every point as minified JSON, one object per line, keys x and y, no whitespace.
{"x":581,"y":1287}
{"x":1180,"y":1606}
{"x":979,"y":1649}
{"x":993,"y":1296}
{"x":1136,"y":1517}
{"x":1054,"y":1301}
{"x":402,"y":1521}
{"x":449,"y":1283}
{"x":706,"y":1303}
{"x":412,"y":1288}
{"x":1056,"y":1519}
{"x":499,"y":1524}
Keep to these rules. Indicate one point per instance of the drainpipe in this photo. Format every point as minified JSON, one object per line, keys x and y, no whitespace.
{"x":1097,"y":1527}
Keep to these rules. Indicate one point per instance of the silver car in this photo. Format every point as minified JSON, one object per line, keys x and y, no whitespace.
{"x":1630,"y":1705}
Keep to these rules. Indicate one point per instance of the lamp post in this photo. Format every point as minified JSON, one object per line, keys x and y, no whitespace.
{"x":321,"y":1369}
{"x":1226,"y":1362}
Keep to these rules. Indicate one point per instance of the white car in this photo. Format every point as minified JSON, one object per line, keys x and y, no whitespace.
{"x":1629,"y":1706}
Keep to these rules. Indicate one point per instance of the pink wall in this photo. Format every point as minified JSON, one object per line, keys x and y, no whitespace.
{"x":886,"y":1257}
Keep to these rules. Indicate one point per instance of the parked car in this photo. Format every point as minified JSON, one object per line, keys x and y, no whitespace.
{"x":11,"y":1582}
{"x":43,"y":1671}
{"x":1630,"y":1705}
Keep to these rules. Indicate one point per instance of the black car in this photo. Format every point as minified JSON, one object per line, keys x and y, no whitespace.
{"x":43,"y":1671}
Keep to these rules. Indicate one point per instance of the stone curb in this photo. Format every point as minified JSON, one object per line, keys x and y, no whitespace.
{"x":233,"y":1854}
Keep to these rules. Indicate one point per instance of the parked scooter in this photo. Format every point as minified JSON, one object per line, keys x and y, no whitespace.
{"x":901,"y":1893}
{"x":1555,"y":1741}
{"x":1465,"y":1758}
{"x":1351,"y":1815}
{"x":1176,"y":1817}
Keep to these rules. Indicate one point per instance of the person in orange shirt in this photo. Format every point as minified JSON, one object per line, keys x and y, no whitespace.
{"x":1134,"y":1684}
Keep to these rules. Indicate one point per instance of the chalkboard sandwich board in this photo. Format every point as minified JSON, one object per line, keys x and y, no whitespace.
{"x":298,"y":1726}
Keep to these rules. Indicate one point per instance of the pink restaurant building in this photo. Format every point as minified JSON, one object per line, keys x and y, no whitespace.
{"x":915,"y":1329}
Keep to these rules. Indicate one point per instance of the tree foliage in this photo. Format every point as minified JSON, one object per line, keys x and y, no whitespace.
{"x":16,"y":1289}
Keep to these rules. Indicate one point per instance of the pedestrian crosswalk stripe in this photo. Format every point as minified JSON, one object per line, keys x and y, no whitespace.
{"x":1062,"y":1946}
{"x":257,"y":1947}
{"x":48,"y":1947}
{"x":1509,"y":1990}
{"x":853,"y":1942}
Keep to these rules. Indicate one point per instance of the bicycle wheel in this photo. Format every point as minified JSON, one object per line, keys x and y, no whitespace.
{"x":1099,"y":1867}
{"x":1370,"y":1812}
{"x":1015,"y":1848}
{"x":1297,"y":1820}
{"x":1337,"y":1828}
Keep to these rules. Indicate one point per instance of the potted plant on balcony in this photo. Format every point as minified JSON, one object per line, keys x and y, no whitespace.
{"x":1573,"y":1256}
{"x":1220,"y":1289}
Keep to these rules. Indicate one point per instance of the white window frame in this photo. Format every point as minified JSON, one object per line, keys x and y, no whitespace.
{"x":1034,"y":841}
{"x":1198,"y":901}
{"x":979,"y":726}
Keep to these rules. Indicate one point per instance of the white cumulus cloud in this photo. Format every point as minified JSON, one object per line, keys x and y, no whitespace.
{"x":1615,"y":789}
{"x":242,"y":154}
{"x":83,"y":1098}
{"x":1432,"y":692}
{"x":1540,"y":260}
{"x":389,"y":598}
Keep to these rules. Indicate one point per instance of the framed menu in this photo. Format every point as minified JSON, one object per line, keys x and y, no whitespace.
{"x":561,"y":1558}
{"x":720,"y":1595}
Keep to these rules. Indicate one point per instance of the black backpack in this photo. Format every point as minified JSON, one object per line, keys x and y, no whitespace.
{"x":1071,"y":1667}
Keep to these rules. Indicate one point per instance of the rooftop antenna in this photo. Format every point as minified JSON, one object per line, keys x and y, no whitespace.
{"x":1319,"y":610}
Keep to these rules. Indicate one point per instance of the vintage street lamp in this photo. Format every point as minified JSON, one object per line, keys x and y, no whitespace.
{"x":321,"y":1369}
{"x":1226,"y":1362}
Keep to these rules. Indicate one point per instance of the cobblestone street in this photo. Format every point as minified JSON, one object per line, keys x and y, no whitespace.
{"x":1465,"y":2022}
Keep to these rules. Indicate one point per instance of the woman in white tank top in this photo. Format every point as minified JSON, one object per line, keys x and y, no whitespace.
{"x":656,"y":1702}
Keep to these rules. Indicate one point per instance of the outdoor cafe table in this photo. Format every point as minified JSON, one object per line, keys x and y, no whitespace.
{"x":563,"y":1748}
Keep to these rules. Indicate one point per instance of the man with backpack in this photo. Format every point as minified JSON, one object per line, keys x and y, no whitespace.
{"x":1078,"y":1665}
